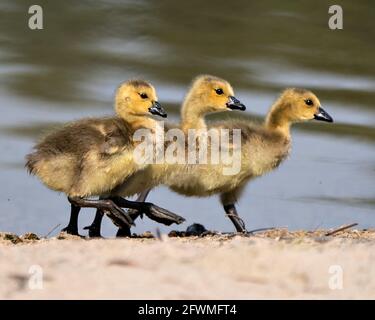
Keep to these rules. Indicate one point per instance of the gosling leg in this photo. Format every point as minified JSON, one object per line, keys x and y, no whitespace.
{"x":151,"y":210}
{"x":134,"y":214}
{"x":113,"y":211}
{"x":72,"y":227}
{"x":231,"y":212}
{"x":95,"y":227}
{"x":228,"y":199}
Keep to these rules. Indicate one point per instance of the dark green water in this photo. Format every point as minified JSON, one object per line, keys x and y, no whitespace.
{"x":71,"y":68}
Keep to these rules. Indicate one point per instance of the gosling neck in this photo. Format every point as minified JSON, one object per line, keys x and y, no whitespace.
{"x":191,"y":115}
{"x":277,"y":120}
{"x":143,"y":122}
{"x":138,"y":121}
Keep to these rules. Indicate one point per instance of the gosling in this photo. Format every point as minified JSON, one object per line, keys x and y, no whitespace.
{"x":91,"y":156}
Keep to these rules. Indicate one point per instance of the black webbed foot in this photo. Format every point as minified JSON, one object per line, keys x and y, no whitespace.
{"x":114,"y":212}
{"x":123,"y":232}
{"x":118,"y":216}
{"x":152,"y":211}
{"x":161,"y":215}
{"x":94,"y":232}
{"x":71,"y":230}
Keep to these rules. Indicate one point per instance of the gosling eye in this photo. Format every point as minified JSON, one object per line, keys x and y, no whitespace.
{"x":309,"y":102}
{"x":219,"y":91}
{"x":143,"y":95}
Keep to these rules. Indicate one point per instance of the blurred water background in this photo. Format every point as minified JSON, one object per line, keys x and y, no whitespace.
{"x":71,"y":68}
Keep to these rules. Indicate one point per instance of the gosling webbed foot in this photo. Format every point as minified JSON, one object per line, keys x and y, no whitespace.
{"x":238,"y":223}
{"x":123,"y":233}
{"x":72,"y":227}
{"x":162,"y":215}
{"x":134,"y":214}
{"x":94,"y":232}
{"x":118,"y":216}
{"x":231,"y":212}
{"x":152,"y":211}
{"x":112,"y":210}
{"x":71,"y":230}
{"x":94,"y":228}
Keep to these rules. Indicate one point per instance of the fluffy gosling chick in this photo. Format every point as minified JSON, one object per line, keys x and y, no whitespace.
{"x":265,"y":147}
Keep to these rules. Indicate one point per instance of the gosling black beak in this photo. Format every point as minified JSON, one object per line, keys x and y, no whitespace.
{"x":235,"y":104}
{"x":322,"y":115}
{"x":157,"y":109}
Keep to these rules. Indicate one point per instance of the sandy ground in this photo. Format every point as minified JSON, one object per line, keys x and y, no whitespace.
{"x":274,"y":264}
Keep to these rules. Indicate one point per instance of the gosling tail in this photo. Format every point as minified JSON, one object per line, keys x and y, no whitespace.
{"x":31,"y":162}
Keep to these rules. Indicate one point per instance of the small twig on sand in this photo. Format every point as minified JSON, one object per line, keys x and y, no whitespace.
{"x":52,"y":230}
{"x":341,"y":229}
{"x":261,"y":229}
{"x":247,"y":233}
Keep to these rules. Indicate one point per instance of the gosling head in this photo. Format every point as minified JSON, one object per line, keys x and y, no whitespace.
{"x":137,"y":98}
{"x":212,"y":94}
{"x":301,"y":105}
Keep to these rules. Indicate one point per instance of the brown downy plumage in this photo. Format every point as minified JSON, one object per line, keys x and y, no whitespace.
{"x":263,"y":148}
{"x":91,"y":156}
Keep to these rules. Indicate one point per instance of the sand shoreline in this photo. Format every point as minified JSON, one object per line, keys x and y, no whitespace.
{"x":269,"y":265}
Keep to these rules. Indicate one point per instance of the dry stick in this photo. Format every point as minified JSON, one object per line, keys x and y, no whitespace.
{"x":261,"y":229}
{"x":52,"y":230}
{"x":341,"y":229}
